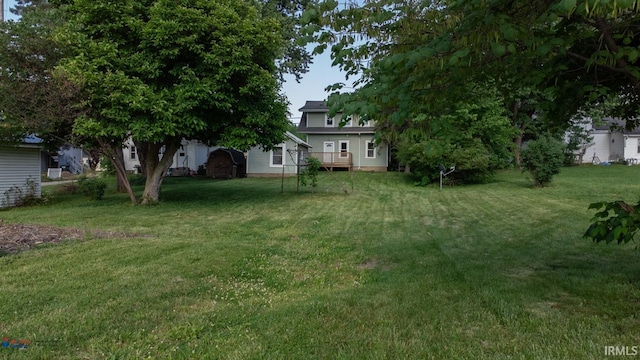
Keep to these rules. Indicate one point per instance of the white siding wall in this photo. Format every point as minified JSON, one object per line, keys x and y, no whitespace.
{"x":631,"y":148}
{"x":195,"y":154}
{"x":617,"y":147}
{"x":601,"y":148}
{"x":17,"y":166}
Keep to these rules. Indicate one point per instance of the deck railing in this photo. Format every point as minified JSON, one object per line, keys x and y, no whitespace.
{"x":333,"y":159}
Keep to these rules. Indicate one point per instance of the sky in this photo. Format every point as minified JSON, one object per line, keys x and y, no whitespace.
{"x":311,"y":87}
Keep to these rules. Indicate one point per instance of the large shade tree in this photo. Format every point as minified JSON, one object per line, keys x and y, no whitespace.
{"x":159,"y":71}
{"x":418,"y":54}
{"x":34,"y":97}
{"x":550,"y":57}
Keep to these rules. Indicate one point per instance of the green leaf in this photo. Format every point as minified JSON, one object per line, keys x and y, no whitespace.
{"x":543,"y":50}
{"x":509,"y":32}
{"x":567,"y":6}
{"x":625,"y":4}
{"x":498,"y":49}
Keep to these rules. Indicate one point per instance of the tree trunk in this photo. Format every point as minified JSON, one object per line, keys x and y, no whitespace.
{"x":114,"y":151}
{"x":121,"y":181}
{"x":156,"y":169}
{"x":517,"y":142}
{"x":94,"y":158}
{"x":517,"y":148}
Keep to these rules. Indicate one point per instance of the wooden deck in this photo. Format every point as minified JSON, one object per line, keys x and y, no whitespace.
{"x":332,"y":160}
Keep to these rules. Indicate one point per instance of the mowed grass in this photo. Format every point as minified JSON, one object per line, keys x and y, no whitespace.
{"x":237,"y":270}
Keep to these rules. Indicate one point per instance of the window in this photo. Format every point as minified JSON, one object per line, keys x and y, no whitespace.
{"x":371,"y":150}
{"x":277,"y":156}
{"x":344,"y":148}
{"x":132,"y":152}
{"x":348,"y":121}
{"x":328,"y":121}
{"x":368,"y":123}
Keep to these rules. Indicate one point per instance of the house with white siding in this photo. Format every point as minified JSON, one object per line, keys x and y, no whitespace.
{"x":612,"y":144}
{"x":20,"y":170}
{"x":190,"y":156}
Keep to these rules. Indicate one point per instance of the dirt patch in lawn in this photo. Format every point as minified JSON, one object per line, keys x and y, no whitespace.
{"x":18,"y":237}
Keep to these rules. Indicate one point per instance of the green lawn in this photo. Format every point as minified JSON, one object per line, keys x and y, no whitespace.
{"x":237,"y":270}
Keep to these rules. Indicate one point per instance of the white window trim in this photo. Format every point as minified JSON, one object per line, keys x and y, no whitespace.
{"x":133,"y":153}
{"x":326,"y":121}
{"x":368,"y":123}
{"x":340,"y":142}
{"x":349,"y":122}
{"x":366,"y":150}
{"x":284,"y":150}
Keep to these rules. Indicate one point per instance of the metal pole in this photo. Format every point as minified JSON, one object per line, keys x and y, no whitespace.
{"x":298,"y":152}
{"x":440,"y":179}
{"x":282,"y":179}
{"x":1,"y":10}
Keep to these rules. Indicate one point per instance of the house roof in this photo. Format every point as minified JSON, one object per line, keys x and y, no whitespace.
{"x":296,"y":139}
{"x":615,"y":124}
{"x":314,"y":106}
{"x":27,"y":141}
{"x":32,"y":140}
{"x":237,"y":156}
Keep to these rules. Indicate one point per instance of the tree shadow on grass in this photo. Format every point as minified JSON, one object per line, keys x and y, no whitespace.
{"x":219,"y":192}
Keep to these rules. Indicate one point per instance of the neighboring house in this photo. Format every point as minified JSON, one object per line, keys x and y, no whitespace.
{"x":351,"y":146}
{"x":20,"y":170}
{"x":67,"y":158}
{"x":610,"y":143}
{"x":188,"y":159}
{"x":283,"y":159}
{"x":72,"y":159}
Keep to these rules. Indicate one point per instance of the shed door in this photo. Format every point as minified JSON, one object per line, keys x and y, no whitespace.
{"x":222,"y":165}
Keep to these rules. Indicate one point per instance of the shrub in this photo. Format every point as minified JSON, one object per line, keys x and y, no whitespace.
{"x":309,"y":175}
{"x":543,"y":158}
{"x":93,"y":188}
{"x":26,"y":195}
{"x":474,"y":162}
{"x":474,"y":135}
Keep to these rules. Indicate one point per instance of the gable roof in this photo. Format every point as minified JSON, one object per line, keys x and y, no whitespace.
{"x":615,"y":125}
{"x":314,"y":106}
{"x":236,"y":156}
{"x":296,"y":139}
